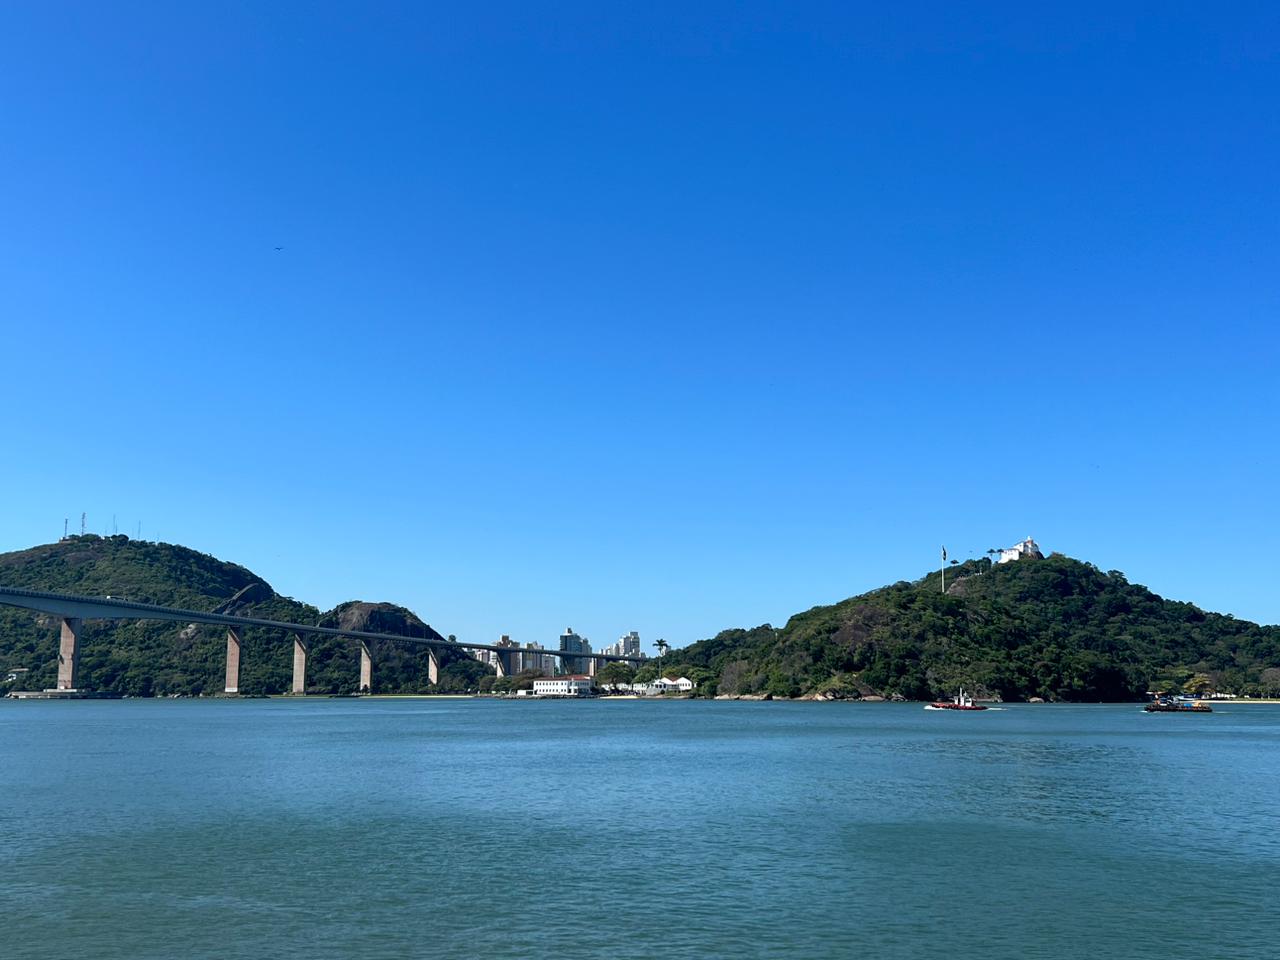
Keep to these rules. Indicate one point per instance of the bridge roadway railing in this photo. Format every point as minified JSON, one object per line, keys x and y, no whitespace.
{"x":73,"y":608}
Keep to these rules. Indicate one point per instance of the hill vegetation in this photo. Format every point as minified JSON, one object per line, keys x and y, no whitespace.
{"x":1054,"y":628}
{"x":147,"y":658}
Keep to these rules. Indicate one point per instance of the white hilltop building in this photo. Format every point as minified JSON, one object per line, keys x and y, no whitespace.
{"x":1027,"y":548}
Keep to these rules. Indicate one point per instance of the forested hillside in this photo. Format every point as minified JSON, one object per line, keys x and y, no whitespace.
{"x":1054,"y":628}
{"x":144,"y":658}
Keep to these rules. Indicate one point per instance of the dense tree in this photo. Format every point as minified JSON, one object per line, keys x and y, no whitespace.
{"x":614,"y":673}
{"x":1054,"y":628}
{"x":151,"y":658}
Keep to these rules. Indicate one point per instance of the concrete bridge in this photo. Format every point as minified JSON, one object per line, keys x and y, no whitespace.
{"x":73,"y":610}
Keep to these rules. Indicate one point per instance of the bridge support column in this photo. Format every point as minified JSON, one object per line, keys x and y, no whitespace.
{"x":299,"y":666}
{"x":69,"y":653}
{"x":366,"y":669}
{"x":503,"y":660}
{"x":433,"y":666}
{"x":233,"y":661}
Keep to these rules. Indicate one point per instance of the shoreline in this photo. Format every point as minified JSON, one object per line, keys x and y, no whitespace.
{"x":742,"y":698}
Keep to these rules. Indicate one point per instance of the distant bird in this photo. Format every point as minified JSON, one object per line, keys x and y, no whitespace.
{"x":279,"y":248}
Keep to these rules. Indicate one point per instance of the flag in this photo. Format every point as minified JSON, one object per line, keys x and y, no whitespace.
{"x":944,"y":554}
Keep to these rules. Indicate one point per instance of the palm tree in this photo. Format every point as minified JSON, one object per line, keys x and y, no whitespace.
{"x":662,"y":646}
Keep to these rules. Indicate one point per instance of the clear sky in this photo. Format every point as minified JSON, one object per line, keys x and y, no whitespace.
{"x":665,"y":317}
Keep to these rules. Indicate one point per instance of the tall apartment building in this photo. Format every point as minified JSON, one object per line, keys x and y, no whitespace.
{"x":533,"y":659}
{"x":570,"y":642}
{"x":627,"y":646}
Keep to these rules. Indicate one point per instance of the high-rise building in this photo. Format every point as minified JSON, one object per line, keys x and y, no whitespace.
{"x":627,"y":646}
{"x":546,"y":662}
{"x":570,"y":642}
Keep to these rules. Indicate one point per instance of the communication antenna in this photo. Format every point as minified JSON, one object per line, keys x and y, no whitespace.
{"x":114,"y":528}
{"x":65,"y":521}
{"x":82,"y":524}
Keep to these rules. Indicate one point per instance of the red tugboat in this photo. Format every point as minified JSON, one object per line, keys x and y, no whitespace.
{"x":960,"y":702}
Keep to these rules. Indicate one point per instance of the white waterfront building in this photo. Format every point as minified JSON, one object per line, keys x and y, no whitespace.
{"x":656,"y":688}
{"x":571,"y":685}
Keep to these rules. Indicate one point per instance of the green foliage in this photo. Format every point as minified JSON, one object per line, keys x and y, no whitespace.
{"x":1269,"y":683}
{"x":149,"y":658}
{"x":1054,"y":628}
{"x":521,"y":681}
{"x":615,"y":672}
{"x":841,"y":686}
{"x":706,"y":680}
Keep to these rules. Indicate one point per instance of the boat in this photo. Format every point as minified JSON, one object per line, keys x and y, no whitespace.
{"x":1177,"y":705}
{"x":962,"y":701}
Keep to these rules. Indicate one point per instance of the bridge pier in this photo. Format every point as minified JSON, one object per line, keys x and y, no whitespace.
{"x":233,"y":661}
{"x":366,"y":669}
{"x":69,"y":653}
{"x":71,"y":610}
{"x":504,"y":663}
{"x":299,"y":686}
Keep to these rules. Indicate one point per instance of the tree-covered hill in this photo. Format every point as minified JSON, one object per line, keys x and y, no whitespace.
{"x":1054,"y":628}
{"x":146,"y":658}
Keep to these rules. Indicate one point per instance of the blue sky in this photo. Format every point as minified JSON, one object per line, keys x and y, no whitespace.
{"x":663,"y":317}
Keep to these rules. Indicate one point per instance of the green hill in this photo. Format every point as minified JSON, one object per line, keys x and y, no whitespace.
{"x":1054,"y":628}
{"x":154,"y":658}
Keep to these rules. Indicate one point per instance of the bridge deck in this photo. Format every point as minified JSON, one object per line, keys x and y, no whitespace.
{"x":104,"y":608}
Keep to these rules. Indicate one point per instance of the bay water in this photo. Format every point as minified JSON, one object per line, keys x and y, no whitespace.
{"x":383,"y":828}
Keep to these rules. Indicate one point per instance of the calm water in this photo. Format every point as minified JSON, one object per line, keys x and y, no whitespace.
{"x":363,"y":829}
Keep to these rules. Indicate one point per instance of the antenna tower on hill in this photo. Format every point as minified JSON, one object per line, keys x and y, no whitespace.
{"x":82,"y":524}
